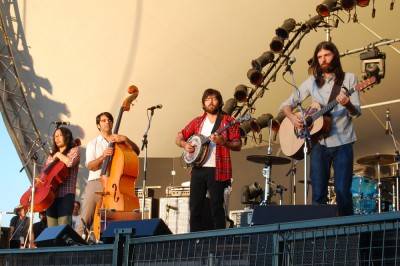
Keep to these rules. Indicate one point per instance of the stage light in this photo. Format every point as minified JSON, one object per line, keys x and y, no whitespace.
{"x":326,"y":7}
{"x":348,"y":4}
{"x":313,"y":22}
{"x":244,"y":128}
{"x":276,"y":44}
{"x":263,"y":121}
{"x":255,"y":76}
{"x":229,"y":106}
{"x":252,"y":194}
{"x":284,"y":30}
{"x":263,"y":60}
{"x":362,"y":3}
{"x":373,"y":63}
{"x":240,"y":93}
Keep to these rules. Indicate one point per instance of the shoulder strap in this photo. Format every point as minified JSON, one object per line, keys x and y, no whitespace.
{"x":335,"y":90}
{"x":217,"y":123}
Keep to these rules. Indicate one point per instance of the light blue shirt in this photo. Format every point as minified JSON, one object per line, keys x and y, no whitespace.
{"x":342,"y":129}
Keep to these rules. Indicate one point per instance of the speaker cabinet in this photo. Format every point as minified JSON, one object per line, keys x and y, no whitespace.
{"x":142,"y":228}
{"x":62,"y":235}
{"x":176,"y":214}
{"x":291,"y":213}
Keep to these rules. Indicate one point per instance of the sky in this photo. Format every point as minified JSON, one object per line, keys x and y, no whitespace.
{"x":13,"y":183}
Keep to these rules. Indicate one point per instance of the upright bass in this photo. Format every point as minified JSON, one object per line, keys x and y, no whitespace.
{"x":119,"y":201}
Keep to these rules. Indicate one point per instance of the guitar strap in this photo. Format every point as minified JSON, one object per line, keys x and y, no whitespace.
{"x":335,"y":90}
{"x":217,"y":123}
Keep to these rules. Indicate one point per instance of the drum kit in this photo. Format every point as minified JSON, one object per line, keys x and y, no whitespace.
{"x":374,"y":188}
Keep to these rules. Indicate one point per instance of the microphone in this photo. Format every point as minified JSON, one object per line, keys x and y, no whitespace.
{"x":387,"y":126}
{"x":171,"y":207}
{"x":158,"y":106}
{"x":59,"y":123}
{"x":289,"y":64}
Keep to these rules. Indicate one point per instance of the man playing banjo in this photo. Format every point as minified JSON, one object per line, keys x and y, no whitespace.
{"x":214,"y":173}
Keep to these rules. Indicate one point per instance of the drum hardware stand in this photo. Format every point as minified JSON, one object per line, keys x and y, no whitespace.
{"x":144,"y":146}
{"x":32,"y":157}
{"x":267,"y":171}
{"x":292,"y":172}
{"x":279,"y":190}
{"x":378,"y":169}
{"x":389,"y":130}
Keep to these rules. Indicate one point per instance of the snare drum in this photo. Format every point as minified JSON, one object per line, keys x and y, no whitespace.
{"x":364,"y":191}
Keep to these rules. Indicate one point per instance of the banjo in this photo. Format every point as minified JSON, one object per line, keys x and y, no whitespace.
{"x":200,"y":144}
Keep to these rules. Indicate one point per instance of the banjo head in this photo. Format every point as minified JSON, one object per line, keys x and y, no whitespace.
{"x":197,"y":142}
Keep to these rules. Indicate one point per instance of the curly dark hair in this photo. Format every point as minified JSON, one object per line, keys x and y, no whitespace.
{"x":335,"y":67}
{"x":68,"y":140}
{"x":213,"y":92}
{"x":106,"y":114}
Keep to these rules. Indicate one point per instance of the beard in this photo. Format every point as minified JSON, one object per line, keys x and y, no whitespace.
{"x":211,"y":109}
{"x":328,"y":68}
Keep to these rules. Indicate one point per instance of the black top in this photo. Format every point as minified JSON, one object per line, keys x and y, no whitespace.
{"x":20,"y":227}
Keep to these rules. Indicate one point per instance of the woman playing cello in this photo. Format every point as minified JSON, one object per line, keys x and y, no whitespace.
{"x":66,"y":151}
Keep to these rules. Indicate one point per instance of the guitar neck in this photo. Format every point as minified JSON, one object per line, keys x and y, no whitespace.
{"x":219,"y":131}
{"x":328,"y":107}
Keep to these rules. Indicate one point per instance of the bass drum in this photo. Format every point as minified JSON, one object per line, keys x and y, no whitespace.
{"x":364,"y":191}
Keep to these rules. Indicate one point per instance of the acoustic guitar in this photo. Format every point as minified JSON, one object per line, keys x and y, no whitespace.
{"x":292,"y":139}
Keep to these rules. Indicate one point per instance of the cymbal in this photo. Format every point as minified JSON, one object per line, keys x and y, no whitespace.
{"x":275,"y":160}
{"x":375,"y":159}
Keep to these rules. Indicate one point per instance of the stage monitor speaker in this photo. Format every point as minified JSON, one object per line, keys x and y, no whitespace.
{"x":61,"y":235}
{"x":142,"y":228}
{"x":291,"y":213}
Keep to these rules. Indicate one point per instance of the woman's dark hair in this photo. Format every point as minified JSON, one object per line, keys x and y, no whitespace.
{"x":213,"y":92}
{"x":68,"y":140}
{"x":106,"y":114}
{"x":335,"y":67}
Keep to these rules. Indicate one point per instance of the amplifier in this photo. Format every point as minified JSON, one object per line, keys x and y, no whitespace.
{"x":151,"y":207}
{"x":149,"y":192}
{"x":177,"y":191}
{"x":175,"y":213}
{"x":241,"y":218}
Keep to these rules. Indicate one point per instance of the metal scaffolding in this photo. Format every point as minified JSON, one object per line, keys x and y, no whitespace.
{"x":14,"y":107}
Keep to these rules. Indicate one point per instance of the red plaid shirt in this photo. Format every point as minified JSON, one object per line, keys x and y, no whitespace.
{"x":69,"y":185}
{"x":223,"y":165}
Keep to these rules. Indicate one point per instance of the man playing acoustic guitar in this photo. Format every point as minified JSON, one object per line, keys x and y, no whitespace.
{"x":215,"y":173}
{"x":325,"y":84}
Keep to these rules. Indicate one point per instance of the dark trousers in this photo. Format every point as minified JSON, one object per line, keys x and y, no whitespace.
{"x":203,"y":180}
{"x":341,"y":157}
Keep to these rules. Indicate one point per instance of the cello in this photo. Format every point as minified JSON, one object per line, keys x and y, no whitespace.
{"x":46,"y":185}
{"x":119,"y":201}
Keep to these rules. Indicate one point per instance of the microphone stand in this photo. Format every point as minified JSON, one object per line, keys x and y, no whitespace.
{"x":144,"y":146}
{"x":397,"y":161}
{"x":32,"y":157}
{"x":305,"y":133}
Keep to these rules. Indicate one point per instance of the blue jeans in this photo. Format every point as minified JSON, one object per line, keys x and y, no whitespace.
{"x":341,"y":157}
